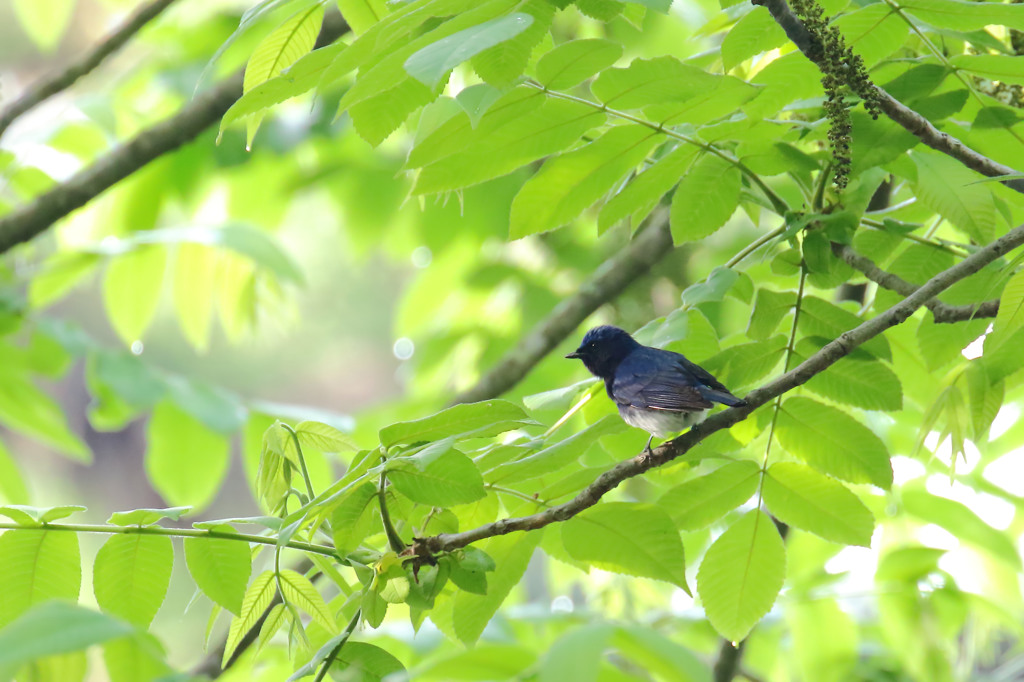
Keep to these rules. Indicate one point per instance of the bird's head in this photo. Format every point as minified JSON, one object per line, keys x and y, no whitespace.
{"x":603,"y":348}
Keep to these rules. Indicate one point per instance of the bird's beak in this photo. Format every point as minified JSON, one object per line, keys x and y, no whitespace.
{"x":574,"y":355}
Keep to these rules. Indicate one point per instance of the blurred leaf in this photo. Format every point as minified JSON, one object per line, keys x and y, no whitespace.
{"x":630,"y":538}
{"x":486,"y":418}
{"x":185,"y":461}
{"x":131,"y":575}
{"x":12,"y":483}
{"x":959,"y":520}
{"x":26,"y":409}
{"x":557,"y":455}
{"x":576,"y":655}
{"x":741,"y":575}
{"x":45,"y":21}
{"x":131,"y":290}
{"x":362,"y":14}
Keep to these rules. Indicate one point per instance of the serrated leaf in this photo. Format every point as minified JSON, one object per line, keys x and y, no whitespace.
{"x":754,"y":33}
{"x":25,"y":515}
{"x":651,"y":81}
{"x":639,"y":197}
{"x":867,"y":383}
{"x":703,"y":500}
{"x":745,"y":363}
{"x":950,"y":189}
{"x":487,"y":418}
{"x":1010,"y":317}
{"x":505,"y":62}
{"x":147,"y":517}
{"x":257,"y":598}
{"x":131,"y":576}
{"x":799,"y":496}
{"x":568,"y":184}
{"x":38,"y":566}
{"x":438,"y":476}
{"x":573,"y":62}
{"x":430,"y":64}
{"x":833,"y":442}
{"x":818,"y":317}
{"x":324,"y":437}
{"x":741,"y":575}
{"x":963,"y":15}
{"x":221,"y":569}
{"x":769,"y":309}
{"x":299,"y":591}
{"x":705,"y":199}
{"x":635,"y":539}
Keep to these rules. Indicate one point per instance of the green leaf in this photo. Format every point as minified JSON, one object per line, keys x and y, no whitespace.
{"x":576,"y":655}
{"x":503,"y":63}
{"x":360,"y":15}
{"x":651,"y":81}
{"x":185,"y":461}
{"x":745,"y":363}
{"x":45,"y":21}
{"x":511,"y":554}
{"x":1010,"y":317}
{"x":131,"y":290}
{"x":28,"y":410}
{"x":356,"y":661}
{"x":324,"y":437}
{"x":824,"y":640}
{"x":430,"y":64}
{"x":638,"y":198}
{"x":38,"y":565}
{"x":659,"y":655}
{"x":147,"y":517}
{"x":135,"y":659}
{"x":818,"y":317}
{"x":501,"y":144}
{"x":53,"y":628}
{"x":963,"y":15}
{"x":12,"y":482}
{"x":300,"y":592}
{"x":769,"y":309}
{"x":873,"y":32}
{"x":557,"y":455}
{"x":741,"y":575}
{"x":701,"y":501}
{"x":995,"y":66}
{"x":131,"y":575}
{"x":949,"y":188}
{"x":439,"y":476}
{"x":630,"y":538}
{"x":279,"y":50}
{"x":573,"y":62}
{"x":876,"y":141}
{"x":469,"y":571}
{"x":351,"y":519}
{"x":833,"y":442}
{"x":195,"y":269}
{"x":25,"y":515}
{"x":705,"y":199}
{"x":487,"y":418}
{"x":801,"y":497}
{"x":867,"y":383}
{"x":568,"y":184}
{"x":962,"y":522}
{"x":221,"y":569}
{"x":754,"y":33}
{"x":257,"y":599}
{"x":216,"y":408}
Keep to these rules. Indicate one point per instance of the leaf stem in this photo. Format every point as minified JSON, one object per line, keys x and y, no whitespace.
{"x":302,"y":460}
{"x":394,"y":540}
{"x":349,"y":629}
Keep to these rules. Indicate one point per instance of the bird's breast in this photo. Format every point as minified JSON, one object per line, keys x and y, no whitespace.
{"x":660,"y":423}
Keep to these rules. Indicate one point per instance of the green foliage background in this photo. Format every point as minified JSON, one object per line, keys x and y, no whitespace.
{"x":252,"y":344}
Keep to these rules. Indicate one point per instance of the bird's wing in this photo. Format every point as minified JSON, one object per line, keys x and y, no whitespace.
{"x":649,"y":382}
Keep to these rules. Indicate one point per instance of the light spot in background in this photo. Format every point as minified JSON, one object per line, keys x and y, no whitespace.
{"x":561,"y":604}
{"x":905,"y":469}
{"x":975,"y":348}
{"x":137,"y":347}
{"x":680,"y":602}
{"x":854,"y":560}
{"x":1006,"y":417}
{"x":994,"y":511}
{"x":421,"y":257}
{"x":403,"y":348}
{"x":967,"y":568}
{"x":939,"y":538}
{"x":1007,"y":472}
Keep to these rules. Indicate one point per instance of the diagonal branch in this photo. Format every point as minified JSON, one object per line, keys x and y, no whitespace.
{"x":48,"y":87}
{"x":30,"y":220}
{"x":913,"y":122}
{"x":941,"y":312}
{"x":828,"y":355}
{"x":614,"y":275}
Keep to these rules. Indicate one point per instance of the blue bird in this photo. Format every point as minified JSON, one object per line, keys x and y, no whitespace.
{"x":656,"y":390}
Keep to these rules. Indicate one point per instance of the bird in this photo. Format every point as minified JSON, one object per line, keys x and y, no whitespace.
{"x":656,"y":390}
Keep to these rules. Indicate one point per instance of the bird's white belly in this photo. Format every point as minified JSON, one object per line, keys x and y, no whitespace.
{"x":660,"y":423}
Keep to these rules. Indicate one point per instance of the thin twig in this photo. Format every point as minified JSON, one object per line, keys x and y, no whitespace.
{"x":48,"y":87}
{"x":818,"y":362}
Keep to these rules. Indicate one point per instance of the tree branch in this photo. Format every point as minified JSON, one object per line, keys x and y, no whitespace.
{"x":913,"y":122}
{"x":30,"y":220}
{"x":48,"y":87}
{"x":614,"y":275}
{"x":941,"y":312}
{"x":828,"y":355}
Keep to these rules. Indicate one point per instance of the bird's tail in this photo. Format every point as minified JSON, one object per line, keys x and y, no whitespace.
{"x":723,"y":397}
